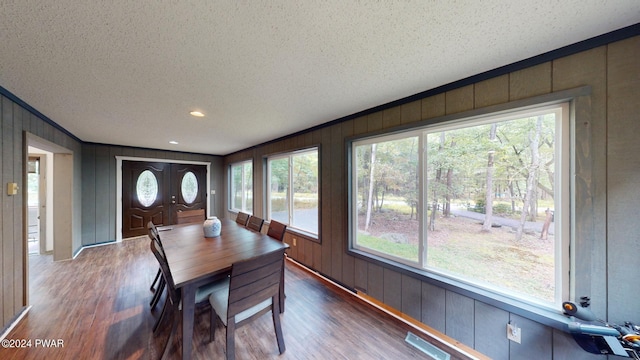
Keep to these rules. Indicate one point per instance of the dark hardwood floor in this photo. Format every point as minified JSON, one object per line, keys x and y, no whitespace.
{"x":97,"y":307}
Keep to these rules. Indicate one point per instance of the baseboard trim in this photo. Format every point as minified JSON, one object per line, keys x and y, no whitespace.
{"x":15,"y":322}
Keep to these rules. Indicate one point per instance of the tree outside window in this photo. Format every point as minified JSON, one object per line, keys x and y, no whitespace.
{"x":293,"y":189}
{"x":475,"y":200}
{"x":242,"y":187}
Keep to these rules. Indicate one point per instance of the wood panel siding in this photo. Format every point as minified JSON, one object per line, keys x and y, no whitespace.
{"x":8,"y":263}
{"x":336,"y":203}
{"x":589,"y":67}
{"x":434,"y":306}
{"x":460,"y":318}
{"x":489,"y":331}
{"x":411,"y":296}
{"x":491,"y":92}
{"x":391,"y":117}
{"x":411,"y":112}
{"x":434,"y":106}
{"x":530,"y":82}
{"x":15,"y":121}
{"x":623,"y":178}
{"x":605,"y":170}
{"x":459,"y":100}
{"x":392,"y":287}
{"x":537,"y":341}
{"x":99,"y":186}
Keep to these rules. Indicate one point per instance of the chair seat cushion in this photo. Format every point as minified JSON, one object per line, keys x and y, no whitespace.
{"x":219,"y":300}
{"x":204,"y":291}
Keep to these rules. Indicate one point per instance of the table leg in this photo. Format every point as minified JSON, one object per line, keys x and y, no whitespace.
{"x":282,"y":289}
{"x":188,"y":308}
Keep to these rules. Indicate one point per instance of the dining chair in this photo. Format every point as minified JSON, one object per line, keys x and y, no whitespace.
{"x":251,"y":291}
{"x":173,"y":304}
{"x":276,"y":230}
{"x":153,"y":233}
{"x":242,"y":218}
{"x":255,"y":223}
{"x":154,"y":236}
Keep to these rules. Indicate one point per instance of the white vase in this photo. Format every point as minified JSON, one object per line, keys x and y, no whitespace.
{"x":212,"y":227}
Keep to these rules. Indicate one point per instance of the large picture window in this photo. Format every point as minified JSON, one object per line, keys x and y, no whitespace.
{"x":483,"y":201}
{"x":242,"y":187}
{"x":293,"y":189}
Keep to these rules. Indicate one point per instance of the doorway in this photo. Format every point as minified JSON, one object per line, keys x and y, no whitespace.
{"x":158,"y":192}
{"x":39,"y":194}
{"x":34,"y":190}
{"x":56,"y":200}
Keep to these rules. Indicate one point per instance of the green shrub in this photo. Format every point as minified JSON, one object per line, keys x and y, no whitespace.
{"x":502,"y":209}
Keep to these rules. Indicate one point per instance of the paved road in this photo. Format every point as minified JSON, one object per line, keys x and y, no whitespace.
{"x":308,"y":219}
{"x":529,"y":225}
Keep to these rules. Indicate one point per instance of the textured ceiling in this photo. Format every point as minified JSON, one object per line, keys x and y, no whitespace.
{"x":128,"y":72}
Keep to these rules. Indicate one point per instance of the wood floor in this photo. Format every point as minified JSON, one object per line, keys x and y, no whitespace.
{"x":97,"y":307}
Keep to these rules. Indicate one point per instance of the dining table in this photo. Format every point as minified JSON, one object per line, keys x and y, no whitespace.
{"x":195,"y":260}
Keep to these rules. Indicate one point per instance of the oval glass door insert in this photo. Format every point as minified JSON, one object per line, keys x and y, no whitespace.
{"x":147,"y":188}
{"x":189,"y":187}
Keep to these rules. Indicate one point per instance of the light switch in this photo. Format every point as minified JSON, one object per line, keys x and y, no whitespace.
{"x":12,"y":188}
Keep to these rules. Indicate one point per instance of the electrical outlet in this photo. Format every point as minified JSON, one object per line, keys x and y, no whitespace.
{"x":294,"y":241}
{"x":514,"y":333}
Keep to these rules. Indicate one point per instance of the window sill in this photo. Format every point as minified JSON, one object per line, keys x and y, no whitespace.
{"x":543,"y":315}
{"x":304,"y":234}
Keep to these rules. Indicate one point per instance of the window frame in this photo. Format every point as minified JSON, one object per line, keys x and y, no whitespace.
{"x":244,"y":200}
{"x":564,"y":249}
{"x":289,"y":155}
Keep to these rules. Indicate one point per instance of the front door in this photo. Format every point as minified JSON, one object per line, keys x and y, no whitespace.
{"x":155,"y":191}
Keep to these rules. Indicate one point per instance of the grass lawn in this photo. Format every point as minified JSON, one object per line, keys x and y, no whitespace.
{"x":460,"y":248}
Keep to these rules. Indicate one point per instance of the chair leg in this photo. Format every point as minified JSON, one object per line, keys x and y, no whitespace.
{"x":275,"y":313}
{"x":231,"y":346}
{"x":161,"y":318}
{"x":158,"y":294}
{"x":212,"y":327}
{"x":174,"y":327}
{"x":282,"y":295}
{"x":153,"y":284}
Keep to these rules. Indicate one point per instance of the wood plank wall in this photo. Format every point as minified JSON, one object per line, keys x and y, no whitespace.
{"x":15,"y":121}
{"x":607,"y":238}
{"x":99,"y":186}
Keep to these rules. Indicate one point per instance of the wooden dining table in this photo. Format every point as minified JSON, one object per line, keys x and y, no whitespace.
{"x":195,"y":260}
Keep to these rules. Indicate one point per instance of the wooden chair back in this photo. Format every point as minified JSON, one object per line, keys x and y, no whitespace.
{"x":152,"y":229}
{"x":276,"y":230}
{"x":255,"y":223}
{"x":242,"y":218}
{"x":154,"y":235}
{"x":252,"y":282}
{"x":158,"y":252}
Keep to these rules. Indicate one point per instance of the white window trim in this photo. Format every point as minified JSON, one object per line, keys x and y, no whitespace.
{"x":244,"y":189}
{"x":289,"y":156}
{"x":564,"y":223}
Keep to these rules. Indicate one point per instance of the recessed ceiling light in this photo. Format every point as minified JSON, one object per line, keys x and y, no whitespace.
{"x":173,"y":142}
{"x":197,"y":114}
